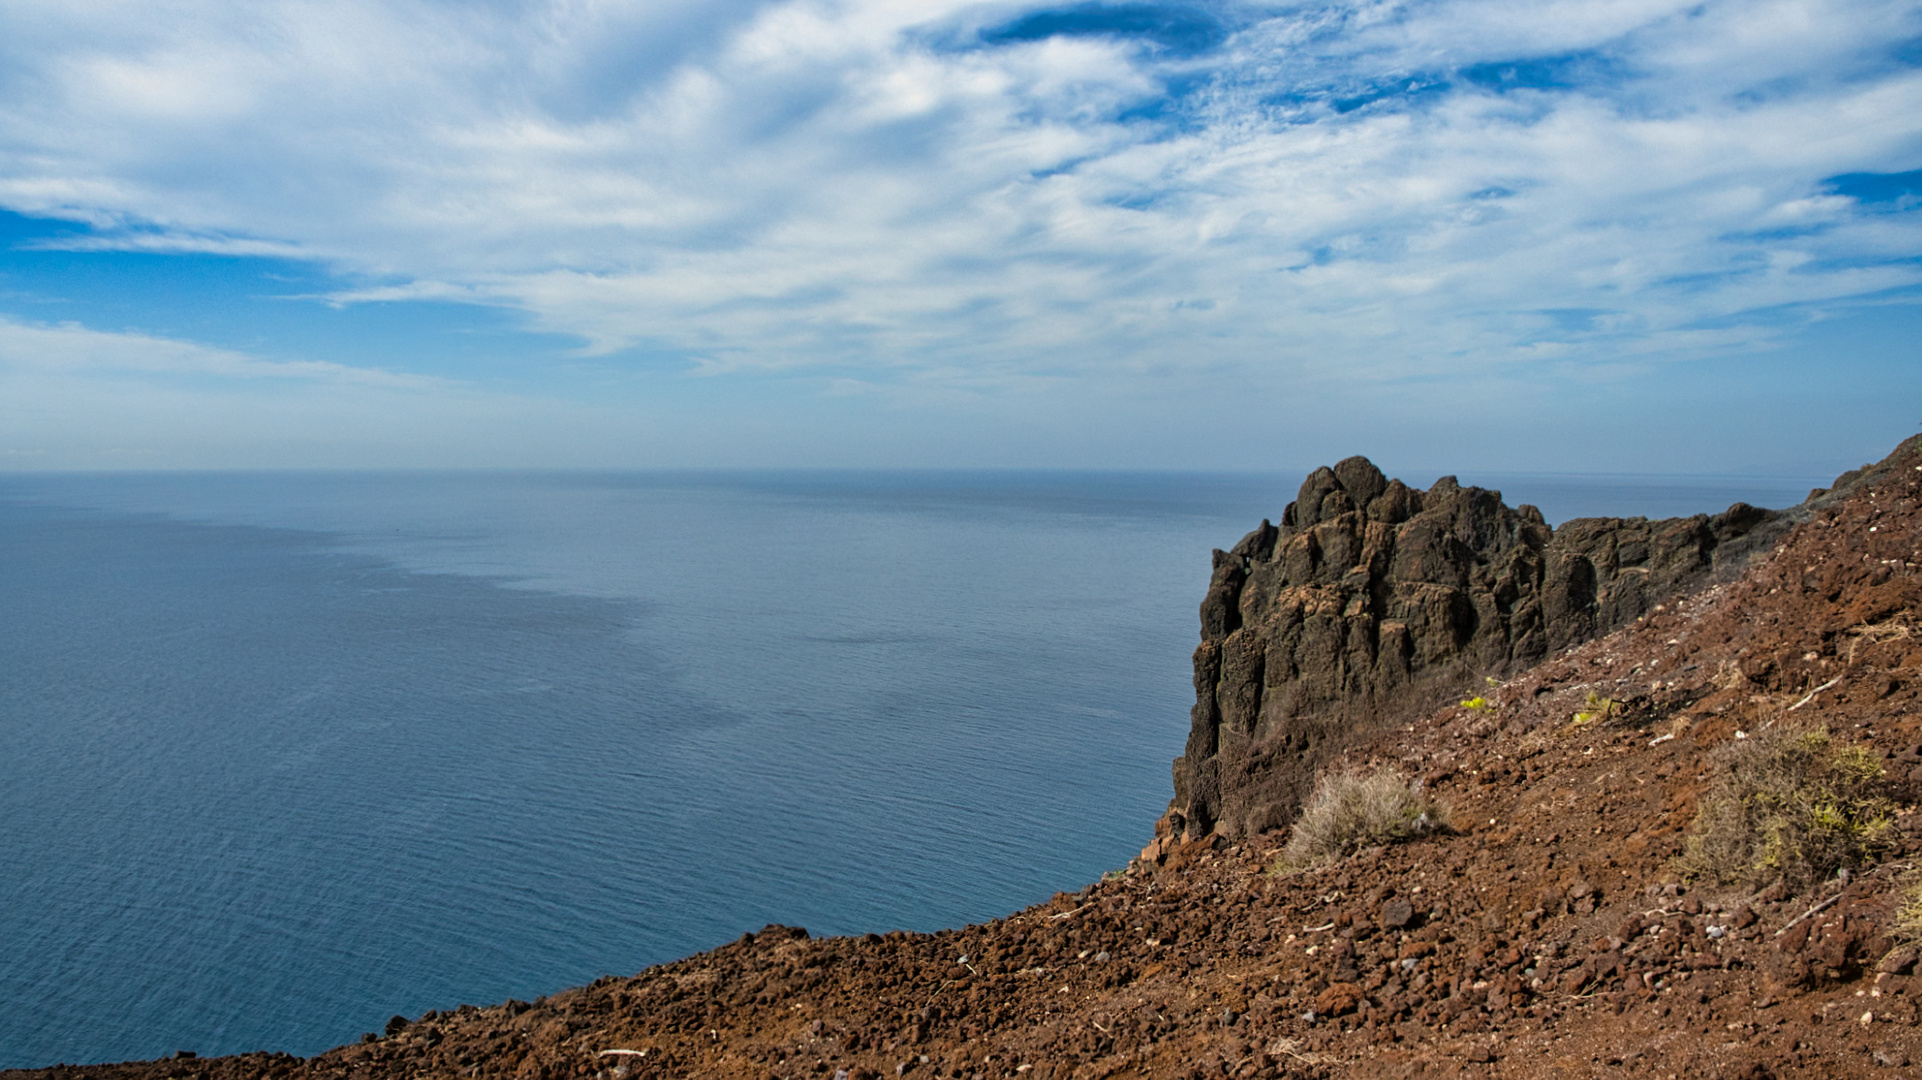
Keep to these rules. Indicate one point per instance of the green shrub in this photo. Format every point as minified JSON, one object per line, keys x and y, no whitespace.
{"x":1596,"y":708}
{"x":1791,"y":804}
{"x":1350,"y":811}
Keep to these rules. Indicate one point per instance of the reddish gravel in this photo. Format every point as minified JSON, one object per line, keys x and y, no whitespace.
{"x":1550,"y":935}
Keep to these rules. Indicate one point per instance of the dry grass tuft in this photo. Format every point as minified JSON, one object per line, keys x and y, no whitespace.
{"x":1790,"y":804}
{"x":1871,"y":635}
{"x":1729,"y":676}
{"x":1907,"y":928}
{"x":1351,"y":811}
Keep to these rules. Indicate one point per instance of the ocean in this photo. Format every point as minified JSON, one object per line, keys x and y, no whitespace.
{"x":284,"y":754}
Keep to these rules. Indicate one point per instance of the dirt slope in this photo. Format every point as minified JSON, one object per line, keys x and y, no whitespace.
{"x":1549,"y":935}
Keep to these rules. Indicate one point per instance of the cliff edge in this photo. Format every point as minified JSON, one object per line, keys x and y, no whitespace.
{"x":1565,"y":926}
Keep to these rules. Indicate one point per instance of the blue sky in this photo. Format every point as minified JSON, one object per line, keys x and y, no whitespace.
{"x":1562,"y":235}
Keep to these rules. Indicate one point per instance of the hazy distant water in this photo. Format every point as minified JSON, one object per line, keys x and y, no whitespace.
{"x":284,"y":754}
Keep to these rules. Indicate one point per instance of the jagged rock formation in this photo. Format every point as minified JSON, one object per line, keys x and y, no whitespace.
{"x":1372,"y":599}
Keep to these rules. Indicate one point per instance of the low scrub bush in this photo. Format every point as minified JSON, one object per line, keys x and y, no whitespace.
{"x":1596,"y":708}
{"x":1792,"y":804}
{"x":1350,"y":811}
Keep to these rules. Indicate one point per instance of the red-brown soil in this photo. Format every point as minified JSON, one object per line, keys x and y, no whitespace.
{"x":1548,"y":935}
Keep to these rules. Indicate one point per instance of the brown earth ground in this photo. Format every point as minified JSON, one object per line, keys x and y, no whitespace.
{"x":1549,"y":934}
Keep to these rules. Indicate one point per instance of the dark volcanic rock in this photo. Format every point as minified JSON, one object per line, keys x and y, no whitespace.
{"x":1397,"y":914}
{"x":1373,"y":599}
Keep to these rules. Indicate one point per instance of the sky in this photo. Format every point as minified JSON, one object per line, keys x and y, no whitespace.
{"x":1547,"y":235}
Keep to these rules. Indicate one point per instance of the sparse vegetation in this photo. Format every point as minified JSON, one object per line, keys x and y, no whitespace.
{"x":1351,"y":811}
{"x":1478,"y":704}
{"x":1907,"y":928}
{"x":1896,"y":629}
{"x":1791,"y":803}
{"x":1596,"y":708}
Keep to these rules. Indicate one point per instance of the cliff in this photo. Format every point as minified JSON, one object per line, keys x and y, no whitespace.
{"x":1555,"y":931}
{"x":1373,"y":600}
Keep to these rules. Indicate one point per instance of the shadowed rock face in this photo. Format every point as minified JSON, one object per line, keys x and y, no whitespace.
{"x":1372,"y":599}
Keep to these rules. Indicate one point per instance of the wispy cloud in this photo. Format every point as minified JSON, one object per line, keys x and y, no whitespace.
{"x":73,"y":397}
{"x":167,"y":243}
{"x":999,"y":191}
{"x":70,"y":349}
{"x":440,"y":291}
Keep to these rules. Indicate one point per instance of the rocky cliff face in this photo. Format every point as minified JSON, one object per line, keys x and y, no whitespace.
{"x":1372,"y":599}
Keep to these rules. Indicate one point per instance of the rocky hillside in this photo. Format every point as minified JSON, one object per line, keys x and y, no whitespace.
{"x":1682,"y":848}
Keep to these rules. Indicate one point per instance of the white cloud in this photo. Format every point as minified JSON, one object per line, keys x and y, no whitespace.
{"x":169,"y":243}
{"x":818,"y":183}
{"x":70,"y":349}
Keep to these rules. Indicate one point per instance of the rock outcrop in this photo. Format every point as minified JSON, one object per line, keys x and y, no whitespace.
{"x":1372,"y":599}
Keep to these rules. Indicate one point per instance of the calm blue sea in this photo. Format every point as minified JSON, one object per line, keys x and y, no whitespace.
{"x":282,"y":755}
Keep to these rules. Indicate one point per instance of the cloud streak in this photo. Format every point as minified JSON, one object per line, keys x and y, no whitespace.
{"x":70,"y":349}
{"x":990,"y":193}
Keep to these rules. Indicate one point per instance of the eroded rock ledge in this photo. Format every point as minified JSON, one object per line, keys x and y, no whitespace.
{"x":1373,"y":600}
